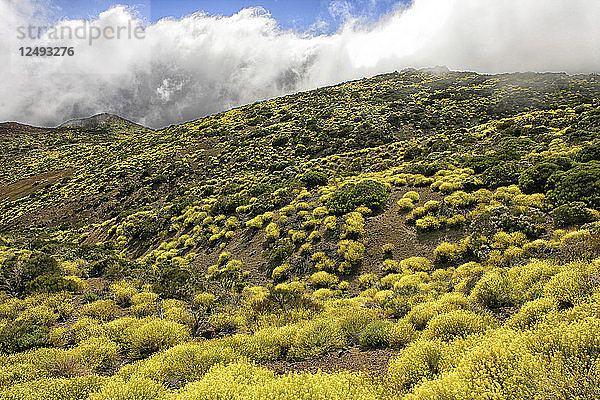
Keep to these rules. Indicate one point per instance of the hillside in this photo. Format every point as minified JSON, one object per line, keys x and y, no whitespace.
{"x":424,"y":234}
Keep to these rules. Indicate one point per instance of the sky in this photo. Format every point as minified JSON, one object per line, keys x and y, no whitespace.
{"x":211,"y":56}
{"x":301,"y":15}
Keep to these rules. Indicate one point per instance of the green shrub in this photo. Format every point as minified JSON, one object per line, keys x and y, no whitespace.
{"x":572,"y":285}
{"x":534,"y":179}
{"x":315,"y":337}
{"x":420,"y":360}
{"x":103,"y":310}
{"x":493,"y":290}
{"x":574,"y":213}
{"x":317,"y":386}
{"x":22,"y":335}
{"x":460,"y":199}
{"x":428,"y":224}
{"x":401,"y":333}
{"x":415,"y":264}
{"x":86,"y":327}
{"x":313,"y":179}
{"x":367,"y":280}
{"x":156,"y":335}
{"x":412,"y":195}
{"x":422,"y":313}
{"x":454,"y":323}
{"x":390,"y":265}
{"x":272,"y":230}
{"x":502,"y":174}
{"x":225,"y":382}
{"x":182,"y":363}
{"x":388,"y":250}
{"x":368,"y":192}
{"x":133,"y":389}
{"x":415,"y":214}
{"x":581,"y":183}
{"x":447,"y":253}
{"x":122,"y":292}
{"x":432,"y":206}
{"x":376,"y":334}
{"x":532,"y":312}
{"x":590,"y":152}
{"x":405,"y":204}
{"x":29,"y":271}
{"x":353,"y":253}
{"x":455,"y":221}
{"x":55,"y":388}
{"x":323,"y":278}
{"x":97,"y":353}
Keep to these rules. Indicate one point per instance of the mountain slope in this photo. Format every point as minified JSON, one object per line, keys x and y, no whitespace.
{"x":420,"y":225}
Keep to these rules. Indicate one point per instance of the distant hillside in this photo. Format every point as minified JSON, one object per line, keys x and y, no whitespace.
{"x":99,"y":121}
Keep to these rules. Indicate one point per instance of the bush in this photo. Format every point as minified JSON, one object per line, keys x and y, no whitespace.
{"x":454,"y":323}
{"x":405,"y":204}
{"x":312,"y":179}
{"x":422,"y":313}
{"x":428,"y":224}
{"x":376,"y":334}
{"x":315,"y":337}
{"x":368,"y":192}
{"x":55,"y":388}
{"x":353,"y":253}
{"x":493,"y":290}
{"x":455,"y":221}
{"x":590,"y":152}
{"x":388,"y":250}
{"x":98,"y":353}
{"x":432,"y":206}
{"x":534,"y":179}
{"x":182,"y":363}
{"x":390,"y":265}
{"x":225,"y":382}
{"x":133,"y":389}
{"x":420,"y":360}
{"x":502,"y":174}
{"x":156,"y":335}
{"x":367,"y":280}
{"x":415,"y":264}
{"x":412,"y":195}
{"x":353,"y":227}
{"x":574,"y":213}
{"x":460,"y":199}
{"x":581,"y":183}
{"x":315,"y":386}
{"x":272,"y":231}
{"x":573,"y":285}
{"x":447,"y":253}
{"x":401,"y":333}
{"x":532,"y":312}
{"x":122,"y":292}
{"x":22,"y":335}
{"x":415,"y":214}
{"x":29,"y":271}
{"x":323,"y":278}
{"x":103,"y":310}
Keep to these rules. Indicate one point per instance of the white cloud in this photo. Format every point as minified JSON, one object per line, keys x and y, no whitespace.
{"x":203,"y":64}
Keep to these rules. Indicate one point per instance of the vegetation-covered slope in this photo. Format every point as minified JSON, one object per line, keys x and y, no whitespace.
{"x":434,"y":229}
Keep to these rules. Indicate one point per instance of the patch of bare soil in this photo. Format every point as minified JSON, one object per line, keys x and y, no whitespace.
{"x":353,"y":359}
{"x":390,"y":227}
{"x":27,"y":186}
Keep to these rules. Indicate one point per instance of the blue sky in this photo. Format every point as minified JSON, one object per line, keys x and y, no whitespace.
{"x":299,"y":15}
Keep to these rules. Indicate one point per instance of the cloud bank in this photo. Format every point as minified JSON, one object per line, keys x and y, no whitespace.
{"x":203,"y":64}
